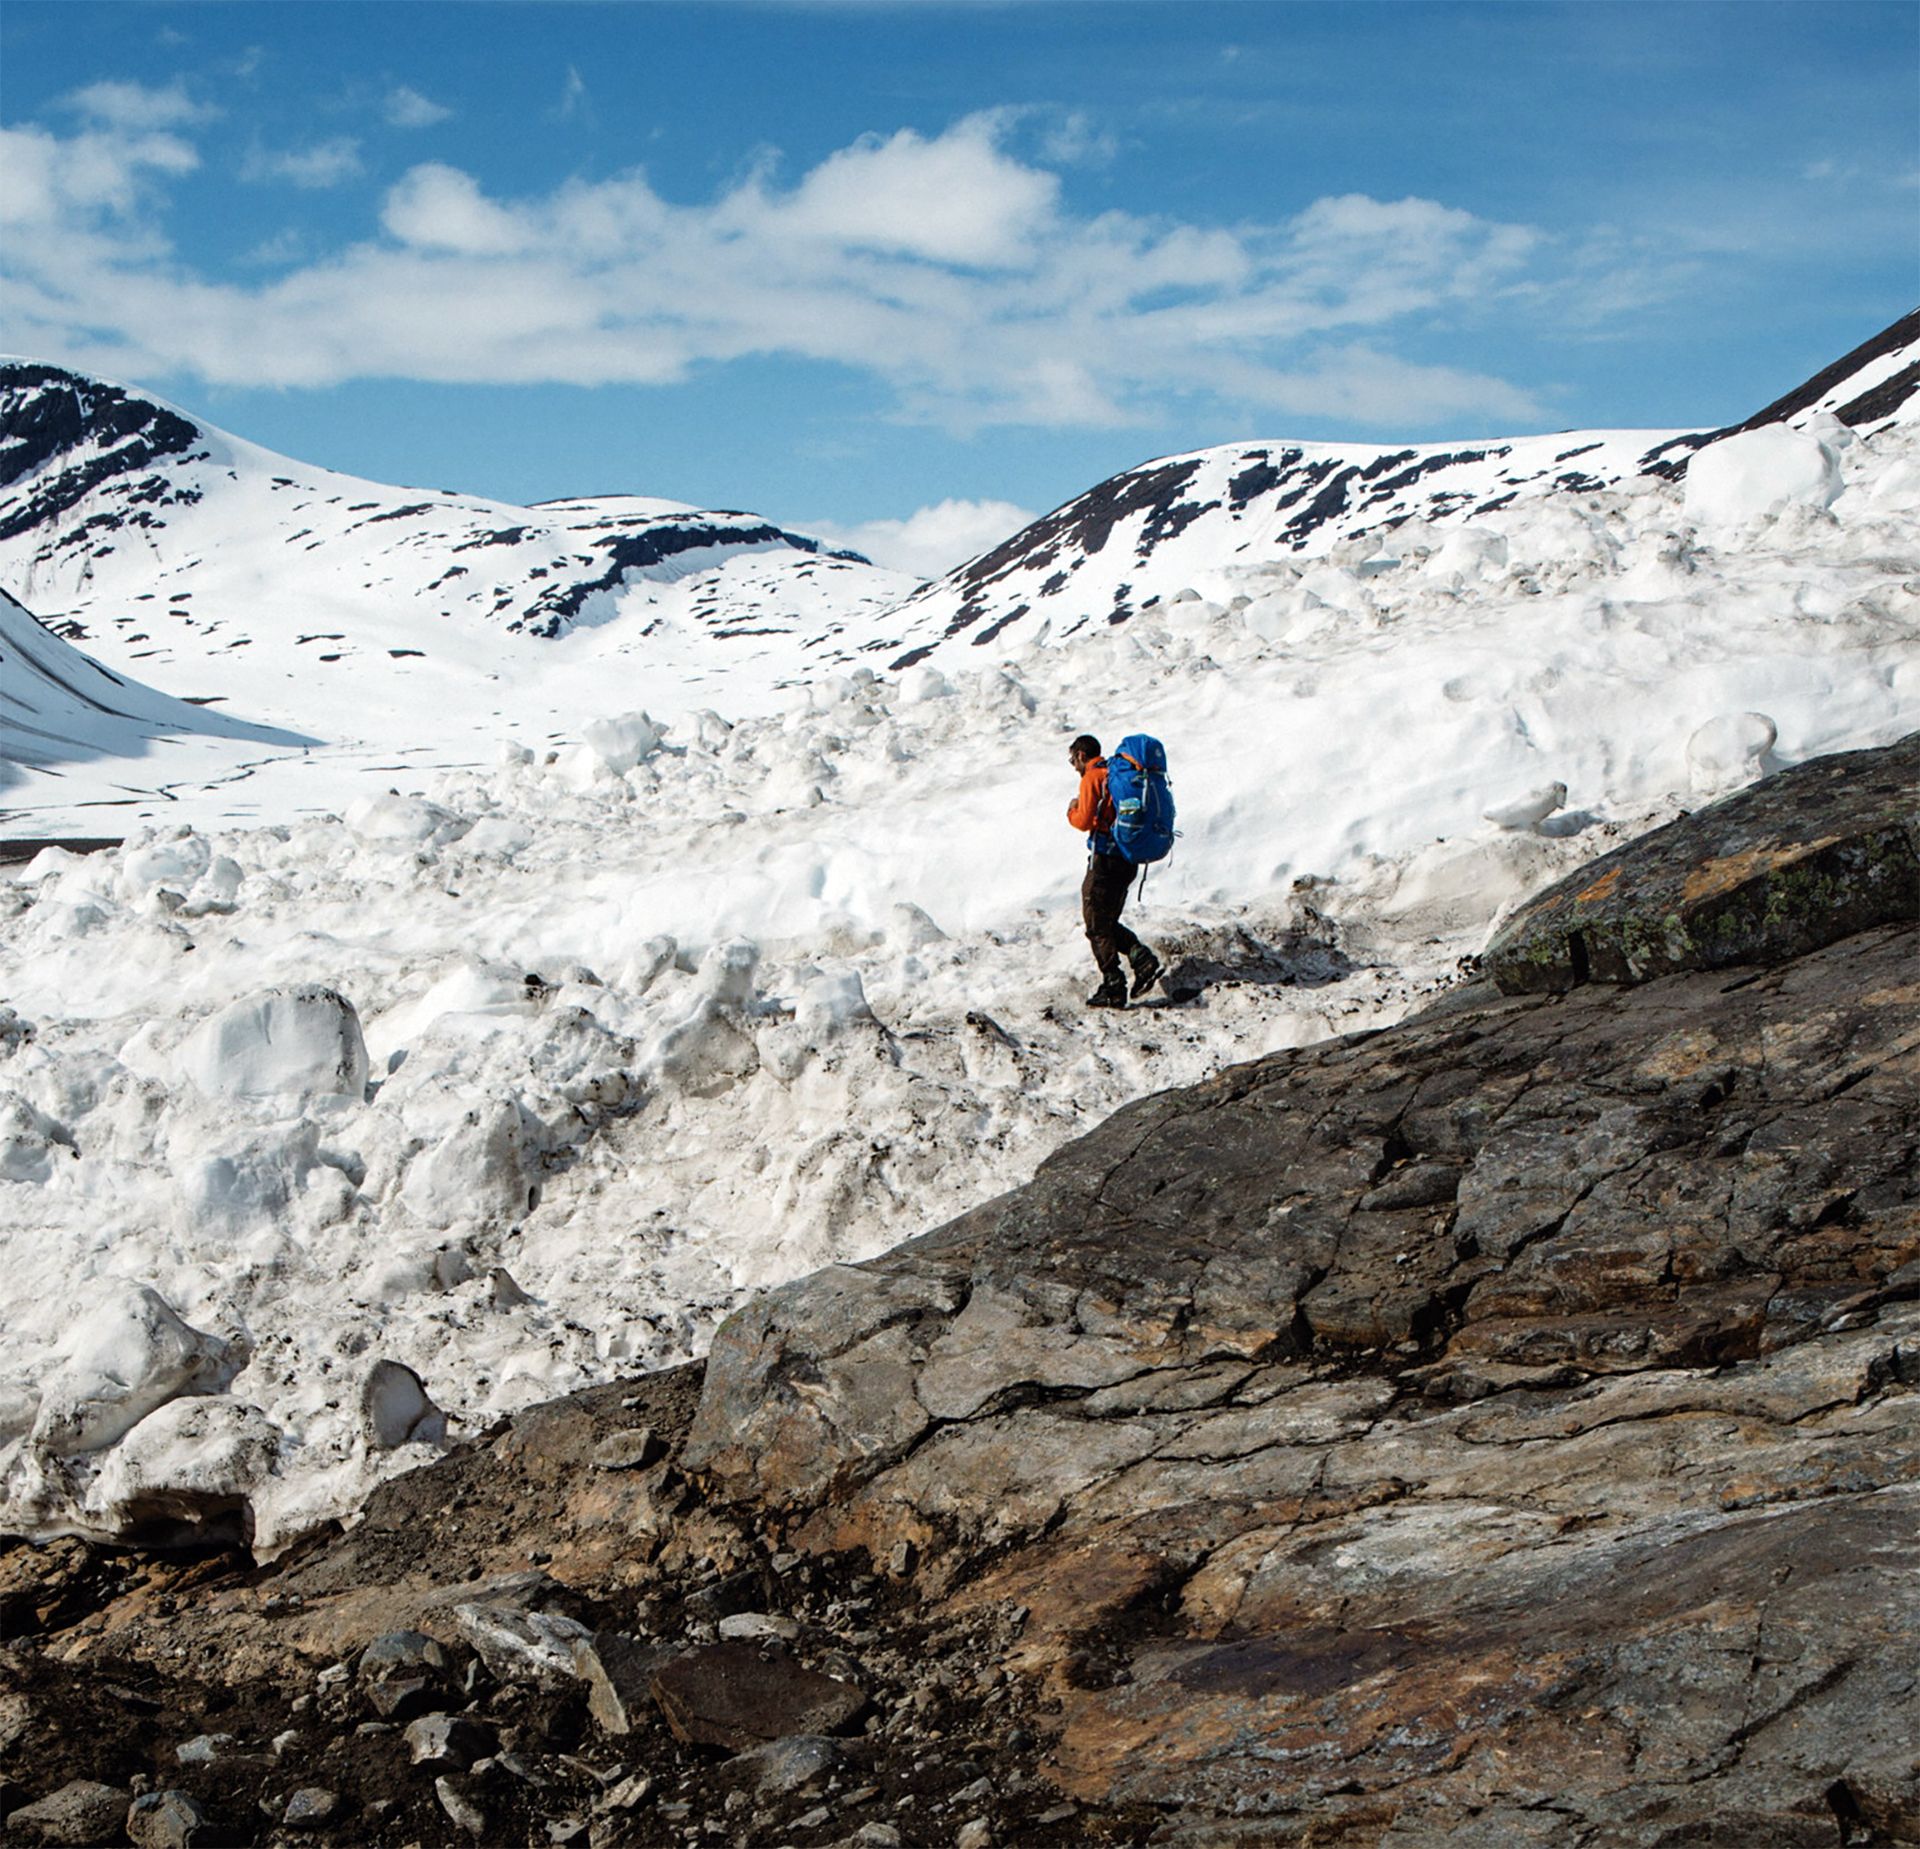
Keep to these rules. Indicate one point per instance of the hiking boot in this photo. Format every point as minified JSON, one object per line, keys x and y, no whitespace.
{"x":1112,"y":992}
{"x":1146,"y":971}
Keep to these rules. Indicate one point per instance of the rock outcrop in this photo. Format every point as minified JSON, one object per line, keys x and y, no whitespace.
{"x":1496,"y":1430}
{"x":1815,"y":854}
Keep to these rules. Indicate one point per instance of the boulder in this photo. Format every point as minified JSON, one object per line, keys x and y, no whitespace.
{"x":1505,"y":1417}
{"x":83,"y":1812}
{"x":168,"y":1820}
{"x":1799,"y":860}
{"x":735,"y":1696}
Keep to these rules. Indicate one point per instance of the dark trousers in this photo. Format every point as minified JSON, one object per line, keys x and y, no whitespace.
{"x":1102,"y":895}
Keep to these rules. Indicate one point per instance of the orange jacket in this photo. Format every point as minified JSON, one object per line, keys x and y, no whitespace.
{"x":1092,"y":810}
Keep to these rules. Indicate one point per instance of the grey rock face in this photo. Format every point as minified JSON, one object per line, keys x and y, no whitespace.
{"x":1511,"y":1413}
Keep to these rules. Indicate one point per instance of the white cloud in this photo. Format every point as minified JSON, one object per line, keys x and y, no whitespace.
{"x":435,"y":207}
{"x":931,"y":540}
{"x":134,"y":106}
{"x":944,"y":266}
{"x":82,"y":180}
{"x":317,"y":167}
{"x":407,"y":108}
{"x":954,"y":199}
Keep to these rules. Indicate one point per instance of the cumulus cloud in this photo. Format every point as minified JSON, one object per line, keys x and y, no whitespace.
{"x":946,"y":266}
{"x":955,"y":199}
{"x":931,"y":540}
{"x":407,"y":108}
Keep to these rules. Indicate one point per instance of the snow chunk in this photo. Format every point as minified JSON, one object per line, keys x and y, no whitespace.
{"x":121,"y":1362}
{"x":190,"y":1466}
{"x":396,"y":1410}
{"x":621,"y":743}
{"x":476,"y":1171}
{"x":289,"y":1044}
{"x":1524,"y":814}
{"x":1729,"y":751}
{"x":1757,"y":472}
{"x":28,"y":1139}
{"x":830,"y":1001}
{"x":405,"y":820}
{"x":707,"y":1050}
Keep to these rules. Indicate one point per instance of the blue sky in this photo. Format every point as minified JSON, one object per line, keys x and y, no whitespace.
{"x":843,"y":264}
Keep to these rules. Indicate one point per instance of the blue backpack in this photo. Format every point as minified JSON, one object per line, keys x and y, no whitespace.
{"x":1142,"y":798}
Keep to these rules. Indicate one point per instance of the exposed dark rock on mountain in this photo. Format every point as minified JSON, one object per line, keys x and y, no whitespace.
{"x":1246,"y":505}
{"x":77,"y":437}
{"x":1496,"y":1430}
{"x":1831,"y":385}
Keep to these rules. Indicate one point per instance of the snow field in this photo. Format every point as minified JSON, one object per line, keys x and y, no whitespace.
{"x":519,"y":1074}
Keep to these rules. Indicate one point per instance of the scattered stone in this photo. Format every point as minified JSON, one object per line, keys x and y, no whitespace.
{"x":448,"y":1742}
{"x":312,"y":1807}
{"x":403,"y":1653}
{"x":167,"y":1820}
{"x":400,"y":1698}
{"x":976,"y":1833}
{"x":734,"y":1696}
{"x":793,"y":1764}
{"x":463,"y":1808}
{"x":618,"y":1671}
{"x":203,"y":1749}
{"x":83,"y":1812}
{"x":523,"y":1646}
{"x":630,"y":1791}
{"x":628,"y":1450}
{"x":745,"y":1626}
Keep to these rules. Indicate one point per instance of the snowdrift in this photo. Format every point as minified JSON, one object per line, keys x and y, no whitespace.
{"x":506,"y":1076}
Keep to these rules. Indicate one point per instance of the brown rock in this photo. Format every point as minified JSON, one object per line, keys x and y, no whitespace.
{"x":736,"y":1696}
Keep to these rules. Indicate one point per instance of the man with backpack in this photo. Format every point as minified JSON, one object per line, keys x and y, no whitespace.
{"x":1103,"y":893}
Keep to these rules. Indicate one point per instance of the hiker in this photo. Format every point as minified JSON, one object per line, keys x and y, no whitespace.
{"x":1103,"y":893}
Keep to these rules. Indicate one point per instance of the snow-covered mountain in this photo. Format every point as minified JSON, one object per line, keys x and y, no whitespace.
{"x":1246,"y":520}
{"x":221,"y":570}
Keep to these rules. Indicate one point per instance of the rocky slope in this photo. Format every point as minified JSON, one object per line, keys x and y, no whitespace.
{"x":1495,"y":1430}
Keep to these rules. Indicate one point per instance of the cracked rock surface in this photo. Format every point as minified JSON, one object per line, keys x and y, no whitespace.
{"x":1497,"y":1430}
